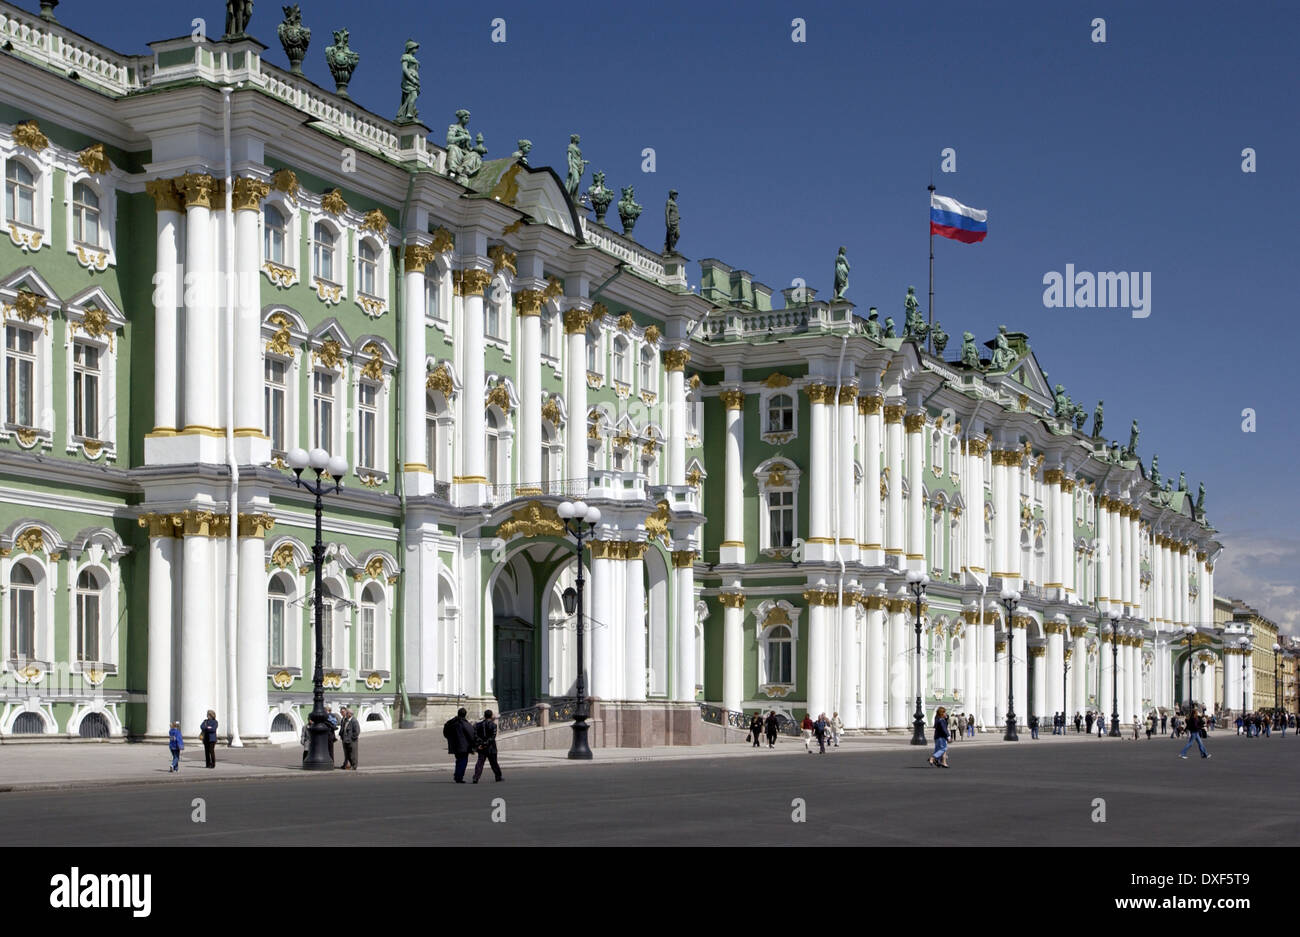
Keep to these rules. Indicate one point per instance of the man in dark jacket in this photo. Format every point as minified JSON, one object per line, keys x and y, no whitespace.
{"x":485,"y":743}
{"x":770,"y":727}
{"x":208,"y":735}
{"x":349,"y":734}
{"x":1088,"y":722}
{"x":460,"y":742}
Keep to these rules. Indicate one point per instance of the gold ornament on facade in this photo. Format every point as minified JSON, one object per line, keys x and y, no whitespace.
{"x":374,"y":368}
{"x":683,"y":559}
{"x":374,"y":681}
{"x":280,"y":341}
{"x":777,"y":379}
{"x":656,"y":524}
{"x":286,"y":181}
{"x":375,"y":568}
{"x":375,"y":220}
{"x":28,"y":306}
{"x":197,"y":189}
{"x":283,"y":556}
{"x":283,"y":277}
{"x":733,"y":399}
{"x":94,"y":160}
{"x":652,"y":334}
{"x":442,"y":242}
{"x":330,"y":293}
{"x":371,"y":481}
{"x":28,"y":134}
{"x":1038,"y":651}
{"x":498,"y":397}
{"x":1053,"y":476}
{"x":255,"y":525}
{"x":598,"y":312}
{"x":914,"y":422}
{"x":92,"y":447}
{"x":675,"y":359}
{"x":731,"y":599}
{"x":554,"y":288}
{"x":776,"y":616}
{"x":330,"y":353}
{"x":1023,"y":401}
{"x":165,"y":195}
{"x":439,"y":379}
{"x":533,"y":519}
{"x":819,"y":393}
{"x":528,"y":302}
{"x":282,"y":679}
{"x":416,"y":257}
{"x":248,"y":193}
{"x":894,"y":414}
{"x":333,"y":202}
{"x":626,"y":323}
{"x":30,"y":540}
{"x":551,"y":411}
{"x":471,"y":281}
{"x":575,"y":321}
{"x":694,"y":477}
{"x":332,"y":679}
{"x":848,"y":395}
{"x":503,"y":259}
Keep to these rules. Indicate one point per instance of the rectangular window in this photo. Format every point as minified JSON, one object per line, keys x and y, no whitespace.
{"x":20,"y":368}
{"x":322,"y":403}
{"x":492,"y":320}
{"x":431,"y":441}
{"x":780,"y":507}
{"x":275,"y":390}
{"x":88,"y":627}
{"x":367,"y":421}
{"x":22,"y":618}
{"x":784,"y":662}
{"x":85,"y":391}
{"x":367,"y":637}
{"x":275,"y":630}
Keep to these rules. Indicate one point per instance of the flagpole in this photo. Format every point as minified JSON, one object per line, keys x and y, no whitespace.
{"x":929,"y":335}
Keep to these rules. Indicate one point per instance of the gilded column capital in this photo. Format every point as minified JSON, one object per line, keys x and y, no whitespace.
{"x":471,"y":281}
{"x":255,"y":525}
{"x":576,"y":321}
{"x":1067,"y":485}
{"x":1078,"y":631}
{"x":683,"y":559}
{"x":165,"y":195}
{"x":416,"y":257}
{"x":848,"y":394}
{"x":731,"y":599}
{"x":914,"y":422}
{"x":823,"y":597}
{"x":978,"y":447}
{"x":871,"y":602}
{"x":634,"y":550}
{"x":1054,"y":627}
{"x":528,"y":303}
{"x":894,"y":414}
{"x":1038,"y":651}
{"x":733,"y":399}
{"x":248,"y":194}
{"x":870,"y":403}
{"x":819,"y":393}
{"x":675,"y":359}
{"x":970,"y":616}
{"x":160,"y":525}
{"x":1053,"y":476}
{"x":605,"y":549}
{"x":197,"y":189}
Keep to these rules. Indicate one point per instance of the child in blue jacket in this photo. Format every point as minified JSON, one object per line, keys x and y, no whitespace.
{"x":175,"y":743}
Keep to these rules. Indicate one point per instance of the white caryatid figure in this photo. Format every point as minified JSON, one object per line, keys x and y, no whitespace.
{"x":733,"y":509}
{"x":634,"y":623}
{"x":528,"y":307}
{"x":470,"y":284}
{"x":898,"y":662}
{"x":893,"y":416}
{"x":576,"y":318}
{"x":167,"y":295}
{"x":415,"y":258}
{"x":914,"y":424}
{"x":684,"y":634}
{"x":732,"y":600}
{"x":875,"y":690}
{"x":199,"y":399}
{"x":873,"y":549}
{"x":252,"y":445}
{"x":163,"y":575}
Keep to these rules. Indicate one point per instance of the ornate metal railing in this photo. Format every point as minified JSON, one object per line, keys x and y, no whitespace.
{"x":563,"y":710}
{"x":518,"y":719}
{"x":564,"y":487}
{"x":723,"y":717}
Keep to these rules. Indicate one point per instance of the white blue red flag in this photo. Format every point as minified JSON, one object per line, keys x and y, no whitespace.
{"x":951,"y":219}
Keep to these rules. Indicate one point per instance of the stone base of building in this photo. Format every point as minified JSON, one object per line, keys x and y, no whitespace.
{"x":430,"y":712}
{"x":627,"y":725}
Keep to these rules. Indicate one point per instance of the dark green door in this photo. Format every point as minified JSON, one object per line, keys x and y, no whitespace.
{"x":513,"y":664}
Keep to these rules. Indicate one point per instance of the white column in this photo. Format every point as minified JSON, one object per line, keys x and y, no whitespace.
{"x":850,"y":676}
{"x":893,"y":416}
{"x":970,"y":648}
{"x":875,"y":538}
{"x":253,"y":444}
{"x":914,"y":422}
{"x":1040,"y":709}
{"x":1107,"y":672}
{"x":999,"y":684}
{"x":1014,"y":458}
{"x":634,"y":620}
{"x":1020,"y":670}
{"x":251,"y":628}
{"x":675,"y":361}
{"x":162,"y":588}
{"x":167,"y":295}
{"x":470,"y":284}
{"x":198,"y":624}
{"x":973,"y":484}
{"x":876,"y":653}
{"x":821,"y":458}
{"x":1104,"y":547}
{"x":733,"y":517}
{"x":733,"y":635}
{"x":1231,"y":678}
{"x":684,"y":637}
{"x":1118,"y":599}
{"x":821,"y":621}
{"x":600,"y":633}
{"x":528,"y":305}
{"x":1157,"y":610}
{"x":200,"y":397}
{"x":899,"y":663}
{"x":1079,"y":670}
{"x":1001,"y":511}
{"x":1184,"y":583}
{"x":847,"y":547}
{"x":413,"y":355}
{"x":1135,"y":564}
{"x":1067,"y":536}
{"x":1056,"y":520}
{"x":1055,"y":698}
{"x":575,"y":393}
{"x":988,"y":675}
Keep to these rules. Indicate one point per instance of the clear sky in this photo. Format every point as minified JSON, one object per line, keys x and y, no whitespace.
{"x":1123,"y":155}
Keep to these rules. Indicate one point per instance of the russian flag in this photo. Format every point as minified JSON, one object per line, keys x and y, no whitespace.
{"x":951,"y":219}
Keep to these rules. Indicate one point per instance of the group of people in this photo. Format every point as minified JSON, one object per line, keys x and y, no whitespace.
{"x":207,"y":735}
{"x":760,"y":728}
{"x":820,"y":728}
{"x":464,"y":737}
{"x":345,"y":728}
{"x":1252,"y":725}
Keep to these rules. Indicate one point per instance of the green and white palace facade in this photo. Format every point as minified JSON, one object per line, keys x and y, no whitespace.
{"x":195,"y":281}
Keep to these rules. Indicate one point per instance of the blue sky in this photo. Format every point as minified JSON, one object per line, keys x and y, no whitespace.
{"x":1122,"y":155}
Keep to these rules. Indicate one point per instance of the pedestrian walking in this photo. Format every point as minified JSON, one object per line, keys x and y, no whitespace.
{"x":940,"y":757}
{"x":1194,"y":730}
{"x":208,"y":734}
{"x":349,"y":734}
{"x":837,"y":728}
{"x":333,"y":722}
{"x":1151,"y":725}
{"x":806,"y":730}
{"x":819,"y":730}
{"x":1033,"y":727}
{"x":1164,"y":720}
{"x":1078,"y":721}
{"x":1101,"y":726}
{"x":485,"y":743}
{"x":175,"y":742}
{"x":1135,"y":727}
{"x":756,"y":729}
{"x":961,"y":725}
{"x":1088,"y":721}
{"x":305,"y":738}
{"x":460,"y":741}
{"x":970,"y":727}
{"x":771,"y":725}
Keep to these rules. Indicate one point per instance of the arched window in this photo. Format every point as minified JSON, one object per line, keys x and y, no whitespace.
{"x":953,"y":462}
{"x":780,"y":414}
{"x":85,"y":390}
{"x":274,"y":234}
{"x":620,"y":360}
{"x":22,"y":612}
{"x":648,"y":369}
{"x":367,"y":425}
{"x":936,"y":536}
{"x":85,"y":215}
{"x":779,"y":655}
{"x":432,"y":305}
{"x":88,"y":617}
{"x":367,"y":269}
{"x":493,"y":447}
{"x":29,"y":724}
{"x":20,"y":193}
{"x":778,"y":483}
{"x":323,"y":248}
{"x":936,"y":450}
{"x":282,"y":722}
{"x":371,"y":609}
{"x":277,"y":615}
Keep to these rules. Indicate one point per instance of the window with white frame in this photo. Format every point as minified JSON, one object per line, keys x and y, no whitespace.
{"x":431,"y":432}
{"x":648,"y":369}
{"x":371,"y":620}
{"x":936,"y":535}
{"x":367,"y":425}
{"x":936,"y":450}
{"x":277,"y":621}
{"x":24,"y":607}
{"x":275,"y":234}
{"x":21,"y":197}
{"x":492,"y":324}
{"x":367,"y":268}
{"x":953,"y":462}
{"x":334,"y":621}
{"x":778,"y":486}
{"x":551,"y":454}
{"x":620,"y":360}
{"x":85,"y":390}
{"x":275,"y":399}
{"x":593,"y":351}
{"x":323,"y":400}
{"x":89,"y":601}
{"x":20,"y":375}
{"x":85,"y":215}
{"x":324,"y":249}
{"x":492,"y":449}
{"x":780,"y":414}
{"x":546,"y":325}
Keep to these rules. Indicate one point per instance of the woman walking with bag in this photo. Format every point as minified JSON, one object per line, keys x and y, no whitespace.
{"x":940,"y":757}
{"x":756,"y":729}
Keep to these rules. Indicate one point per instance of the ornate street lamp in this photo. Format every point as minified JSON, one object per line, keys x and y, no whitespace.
{"x":1011,"y":599}
{"x":1189,"y":631}
{"x":1276,"y":648}
{"x":917,"y":580}
{"x":1245,"y":653}
{"x":1065,"y":695}
{"x":1114,"y":677}
{"x":335,"y":467}
{"x":579,"y":520}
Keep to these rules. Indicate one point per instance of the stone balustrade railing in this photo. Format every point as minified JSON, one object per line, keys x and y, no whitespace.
{"x":59,"y":49}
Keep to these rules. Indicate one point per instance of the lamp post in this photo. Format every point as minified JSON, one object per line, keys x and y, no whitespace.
{"x":579,"y":520}
{"x":1114,"y":677}
{"x":1011,"y":599}
{"x":1189,"y":631}
{"x":1276,"y":648}
{"x":917,"y":580}
{"x":318,"y":753}
{"x":1245,"y":653}
{"x":1065,"y":694}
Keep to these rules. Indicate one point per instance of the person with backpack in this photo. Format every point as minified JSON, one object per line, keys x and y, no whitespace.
{"x":175,"y":743}
{"x":460,"y":741}
{"x":208,"y":735}
{"x":485,"y":743}
{"x":771,"y":725}
{"x":349,"y":735}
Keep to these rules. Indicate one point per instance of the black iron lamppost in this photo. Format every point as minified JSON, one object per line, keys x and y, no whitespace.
{"x":1276,"y":697}
{"x":1065,"y":693}
{"x":1245,"y":656}
{"x":1190,"y":631}
{"x":1011,"y":599}
{"x":318,"y":753}
{"x":1114,"y":677}
{"x":579,"y":520}
{"x":917,"y":580}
